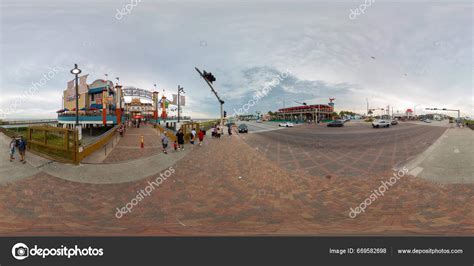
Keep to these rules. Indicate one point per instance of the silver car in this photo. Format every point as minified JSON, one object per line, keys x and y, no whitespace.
{"x":381,"y":123}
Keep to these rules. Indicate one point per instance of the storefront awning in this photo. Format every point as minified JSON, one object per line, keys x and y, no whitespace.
{"x":96,"y":90}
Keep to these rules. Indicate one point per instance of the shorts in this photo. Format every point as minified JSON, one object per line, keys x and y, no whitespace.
{"x":165,"y":146}
{"x":12,"y":151}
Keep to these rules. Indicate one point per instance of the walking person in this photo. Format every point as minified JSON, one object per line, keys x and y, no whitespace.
{"x":22,"y":149}
{"x":164,"y":142}
{"x":201,"y":137}
{"x":221,"y":131}
{"x":229,"y":130}
{"x":180,"y":137}
{"x":175,"y":146}
{"x":193,"y":136}
{"x":12,"y":149}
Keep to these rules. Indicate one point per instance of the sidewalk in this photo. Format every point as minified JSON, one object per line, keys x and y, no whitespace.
{"x":106,"y":173}
{"x":449,"y":160}
{"x":13,"y":171}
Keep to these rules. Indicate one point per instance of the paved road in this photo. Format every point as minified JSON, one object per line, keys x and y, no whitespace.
{"x":355,"y":150}
{"x":255,"y":127}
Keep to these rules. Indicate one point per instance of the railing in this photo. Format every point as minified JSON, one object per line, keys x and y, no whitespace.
{"x":95,"y":144}
{"x":57,"y":143}
{"x":26,"y":122}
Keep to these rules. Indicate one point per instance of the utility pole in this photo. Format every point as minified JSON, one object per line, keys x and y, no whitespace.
{"x":209,"y":78}
{"x":180,"y":90}
{"x":367,"y":99}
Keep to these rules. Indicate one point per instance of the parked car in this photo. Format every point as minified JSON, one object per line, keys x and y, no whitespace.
{"x":427,"y":121}
{"x":394,"y":122}
{"x":259,"y":121}
{"x":336,"y":123}
{"x":381,"y":123}
{"x":243,"y":128}
{"x":285,"y":124}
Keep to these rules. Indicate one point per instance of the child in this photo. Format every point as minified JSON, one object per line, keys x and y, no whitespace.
{"x":175,"y":145}
{"x":201,"y":137}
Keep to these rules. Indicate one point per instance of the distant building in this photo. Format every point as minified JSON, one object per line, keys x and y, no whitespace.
{"x":306,"y":112}
{"x":99,"y":103}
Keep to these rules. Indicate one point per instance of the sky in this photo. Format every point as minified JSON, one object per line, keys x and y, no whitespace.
{"x":406,"y":54}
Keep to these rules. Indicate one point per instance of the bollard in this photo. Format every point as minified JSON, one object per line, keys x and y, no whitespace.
{"x":142,"y":142}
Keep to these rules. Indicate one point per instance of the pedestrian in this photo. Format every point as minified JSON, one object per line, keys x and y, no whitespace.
{"x":201,"y":137}
{"x":229,"y":130}
{"x":175,"y":146}
{"x":213,"y":131}
{"x":164,"y":142}
{"x":180,"y":138}
{"x":218,"y":132}
{"x":193,"y":136}
{"x":120,"y":130}
{"x":221,"y":131}
{"x":22,"y":149}
{"x":12,"y":149}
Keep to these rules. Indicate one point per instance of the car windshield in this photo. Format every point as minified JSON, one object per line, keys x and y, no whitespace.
{"x":242,"y":126}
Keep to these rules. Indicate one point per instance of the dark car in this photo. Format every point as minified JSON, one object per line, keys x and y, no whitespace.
{"x":394,"y":122}
{"x":336,"y":123}
{"x":243,"y":128}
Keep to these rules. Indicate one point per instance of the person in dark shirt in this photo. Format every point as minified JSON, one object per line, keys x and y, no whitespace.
{"x":180,"y":137}
{"x":22,"y":149}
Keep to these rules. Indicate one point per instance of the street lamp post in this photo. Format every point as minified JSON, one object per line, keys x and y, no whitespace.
{"x":76,"y":71}
{"x":180,"y":90}
{"x":414,"y":109}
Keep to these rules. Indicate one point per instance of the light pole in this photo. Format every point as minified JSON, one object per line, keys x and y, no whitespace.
{"x":209,"y":78}
{"x":76,"y":71}
{"x":180,"y":90}
{"x":414,"y":110}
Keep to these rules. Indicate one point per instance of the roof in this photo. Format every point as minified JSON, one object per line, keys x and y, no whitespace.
{"x":305,"y":107}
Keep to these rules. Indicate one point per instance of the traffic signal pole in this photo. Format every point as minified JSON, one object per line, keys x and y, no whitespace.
{"x":215,"y":93}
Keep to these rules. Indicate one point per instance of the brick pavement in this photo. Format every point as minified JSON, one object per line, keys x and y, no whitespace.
{"x":227,"y":187}
{"x":128,"y":148}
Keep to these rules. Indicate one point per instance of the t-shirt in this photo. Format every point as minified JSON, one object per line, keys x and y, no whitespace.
{"x":22,"y":145}
{"x":12,"y":145}
{"x":201,"y":135}
{"x":180,"y":136}
{"x":164,"y":139}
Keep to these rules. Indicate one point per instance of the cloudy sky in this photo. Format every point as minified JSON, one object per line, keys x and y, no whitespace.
{"x":399,"y":53}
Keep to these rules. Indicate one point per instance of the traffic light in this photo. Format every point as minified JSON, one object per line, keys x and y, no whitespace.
{"x":208,"y":76}
{"x":225,"y":114}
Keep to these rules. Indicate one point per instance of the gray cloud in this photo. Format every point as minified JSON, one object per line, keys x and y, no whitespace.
{"x":328,"y":54}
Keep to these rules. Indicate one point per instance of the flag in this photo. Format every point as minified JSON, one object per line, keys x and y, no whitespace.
{"x":175,"y":99}
{"x":182,"y":101}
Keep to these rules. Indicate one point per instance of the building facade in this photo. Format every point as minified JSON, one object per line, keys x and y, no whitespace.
{"x":99,"y":103}
{"x":306,"y":112}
